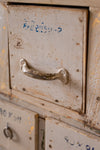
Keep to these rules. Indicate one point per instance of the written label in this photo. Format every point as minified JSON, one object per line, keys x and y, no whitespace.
{"x":78,"y":145}
{"x":9,"y":114}
{"x":40,"y":28}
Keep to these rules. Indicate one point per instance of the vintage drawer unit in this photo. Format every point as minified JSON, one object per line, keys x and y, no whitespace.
{"x":49,"y":75}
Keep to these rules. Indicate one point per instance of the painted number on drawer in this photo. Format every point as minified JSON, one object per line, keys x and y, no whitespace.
{"x":11,"y":115}
{"x":31,"y":25}
{"x":61,"y":136}
{"x":78,"y":145}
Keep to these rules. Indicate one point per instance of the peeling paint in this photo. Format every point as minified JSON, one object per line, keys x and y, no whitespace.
{"x":3,"y":86}
{"x":28,"y":118}
{"x":31,"y":129}
{"x":1,"y":62}
{"x":4,"y":27}
{"x":3,"y":51}
{"x":96,"y":20}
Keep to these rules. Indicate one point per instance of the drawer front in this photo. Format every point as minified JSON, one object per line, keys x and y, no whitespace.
{"x":48,"y":38}
{"x":21,"y":126}
{"x":60,"y":136}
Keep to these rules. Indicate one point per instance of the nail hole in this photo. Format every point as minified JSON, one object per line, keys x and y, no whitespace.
{"x":30,"y":138}
{"x":77,"y":96}
{"x":98,"y":98}
{"x":77,"y":70}
{"x":77,"y":43}
{"x":12,"y":76}
{"x":42,"y":104}
{"x":50,"y":140}
{"x":10,"y":32}
{"x":11,"y":54}
{"x":50,"y":146}
{"x":57,"y":101}
{"x":80,"y":19}
{"x":23,"y":89}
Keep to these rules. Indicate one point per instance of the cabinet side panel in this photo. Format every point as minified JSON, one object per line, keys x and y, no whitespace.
{"x":93,"y":74}
{"x":4,"y":75}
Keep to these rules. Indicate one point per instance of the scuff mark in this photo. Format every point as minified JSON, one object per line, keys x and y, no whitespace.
{"x":31,"y":129}
{"x":3,"y":86}
{"x":96,"y":20}
{"x":4,"y":27}
{"x":3,"y":51}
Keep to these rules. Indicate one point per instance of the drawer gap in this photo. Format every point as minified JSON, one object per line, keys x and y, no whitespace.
{"x":47,"y":5}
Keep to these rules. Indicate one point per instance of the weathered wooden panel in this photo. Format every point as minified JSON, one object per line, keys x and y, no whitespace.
{"x":24,"y":126}
{"x":47,"y":109}
{"x":49,"y":38}
{"x":60,"y":136}
{"x":93,"y":71}
{"x":4,"y":75}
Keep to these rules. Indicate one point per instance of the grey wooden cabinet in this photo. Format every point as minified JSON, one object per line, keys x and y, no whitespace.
{"x":49,"y":75}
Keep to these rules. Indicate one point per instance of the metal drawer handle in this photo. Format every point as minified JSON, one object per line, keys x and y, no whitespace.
{"x":8,"y":132}
{"x":62,"y":73}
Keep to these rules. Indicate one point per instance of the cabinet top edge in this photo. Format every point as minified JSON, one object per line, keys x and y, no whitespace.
{"x":83,"y":3}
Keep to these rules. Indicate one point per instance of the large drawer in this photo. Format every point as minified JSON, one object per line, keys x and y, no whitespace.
{"x":43,"y":41}
{"x":60,"y":136}
{"x":18,"y":128}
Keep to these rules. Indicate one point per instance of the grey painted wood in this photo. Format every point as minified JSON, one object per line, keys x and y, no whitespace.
{"x":87,"y":3}
{"x":24,"y":126}
{"x":46,"y":109}
{"x":4,"y":74}
{"x":61,"y":44}
{"x":93,"y":71}
{"x":60,"y":136}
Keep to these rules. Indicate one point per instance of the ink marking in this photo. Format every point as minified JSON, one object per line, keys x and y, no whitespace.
{"x":40,"y":28}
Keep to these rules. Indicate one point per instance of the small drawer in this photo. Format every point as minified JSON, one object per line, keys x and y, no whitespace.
{"x":18,"y":128}
{"x":60,"y":136}
{"x":48,"y":43}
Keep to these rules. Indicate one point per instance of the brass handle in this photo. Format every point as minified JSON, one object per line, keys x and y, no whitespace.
{"x":62,"y":73}
{"x":8,"y":132}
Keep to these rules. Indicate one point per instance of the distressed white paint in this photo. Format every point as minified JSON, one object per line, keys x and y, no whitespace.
{"x":49,"y":50}
{"x":60,"y":136}
{"x":47,"y":109}
{"x":24,"y":125}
